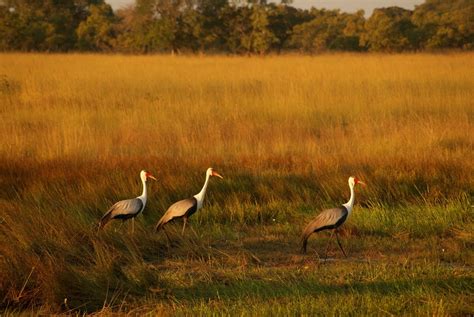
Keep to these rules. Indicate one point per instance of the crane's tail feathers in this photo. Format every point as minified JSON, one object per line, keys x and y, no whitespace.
{"x":159,"y":225}
{"x":104,"y":220}
{"x":304,"y":243}
{"x":304,"y":238}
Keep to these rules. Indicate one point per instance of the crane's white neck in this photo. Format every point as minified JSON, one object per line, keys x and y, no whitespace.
{"x":143,"y":196}
{"x":200,"y":196}
{"x":350,"y":203}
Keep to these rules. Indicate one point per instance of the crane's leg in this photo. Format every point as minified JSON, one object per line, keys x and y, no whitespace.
{"x":185,"y":220}
{"x":339,"y":243}
{"x":327,"y":247}
{"x":166,"y":233}
{"x":133,"y":225}
{"x":168,"y":240}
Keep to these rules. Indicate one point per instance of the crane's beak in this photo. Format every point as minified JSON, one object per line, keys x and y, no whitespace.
{"x":151,"y":176}
{"x":362,"y":183}
{"x":216,"y":174}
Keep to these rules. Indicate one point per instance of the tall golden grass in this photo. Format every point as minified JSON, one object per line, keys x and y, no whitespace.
{"x":285,"y":131}
{"x":389,"y":118}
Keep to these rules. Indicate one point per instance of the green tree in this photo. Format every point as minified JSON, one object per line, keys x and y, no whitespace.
{"x":143,"y":31}
{"x":10,"y":24}
{"x":390,"y":30}
{"x":353,"y":29}
{"x":48,"y":25}
{"x":260,"y":38}
{"x":126,"y":41}
{"x":24,"y":26}
{"x":445,"y":23}
{"x":97,"y":32}
{"x":329,"y":30}
{"x":282,"y":19}
{"x":236,"y":26}
{"x":211,"y":24}
{"x":158,"y":26}
{"x":190,"y":30}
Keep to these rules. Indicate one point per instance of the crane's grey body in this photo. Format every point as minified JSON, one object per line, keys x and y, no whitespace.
{"x":187,"y":207}
{"x":128,"y":208}
{"x":327,"y":219}
{"x":124,"y":209}
{"x":183,"y":208}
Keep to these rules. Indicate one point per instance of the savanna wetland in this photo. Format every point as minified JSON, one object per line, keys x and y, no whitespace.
{"x":285,"y":132}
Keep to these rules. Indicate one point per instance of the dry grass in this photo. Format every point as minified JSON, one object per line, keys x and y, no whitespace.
{"x":285,"y":131}
{"x":401,"y":118}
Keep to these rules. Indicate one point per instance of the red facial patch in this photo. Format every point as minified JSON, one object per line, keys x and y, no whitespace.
{"x":356,"y":180}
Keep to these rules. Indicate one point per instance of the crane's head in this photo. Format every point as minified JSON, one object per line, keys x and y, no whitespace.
{"x":354,"y":181}
{"x":211,"y":172}
{"x":144,"y":175}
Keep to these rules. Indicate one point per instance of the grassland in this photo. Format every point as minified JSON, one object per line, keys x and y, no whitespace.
{"x":286,"y":132}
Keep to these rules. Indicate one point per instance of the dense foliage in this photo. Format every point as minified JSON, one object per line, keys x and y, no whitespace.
{"x":248,"y":27}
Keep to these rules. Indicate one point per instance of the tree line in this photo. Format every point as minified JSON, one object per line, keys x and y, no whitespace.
{"x":237,"y":27}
